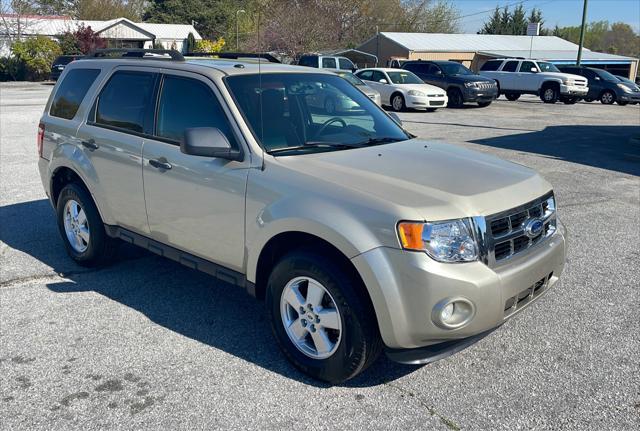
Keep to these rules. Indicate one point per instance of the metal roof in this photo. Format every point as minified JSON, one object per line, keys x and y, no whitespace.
{"x":506,"y":45}
{"x":559,"y":55}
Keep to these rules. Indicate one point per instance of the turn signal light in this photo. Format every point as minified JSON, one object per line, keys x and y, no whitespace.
{"x":411,"y":235}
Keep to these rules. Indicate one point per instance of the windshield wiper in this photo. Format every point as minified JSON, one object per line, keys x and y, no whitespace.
{"x":378,"y":141}
{"x":312,"y":144}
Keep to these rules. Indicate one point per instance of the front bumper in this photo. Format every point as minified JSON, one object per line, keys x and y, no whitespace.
{"x":480,"y":94}
{"x":406,"y":286}
{"x":629,"y":97}
{"x":573,"y":90}
{"x":424,"y":102}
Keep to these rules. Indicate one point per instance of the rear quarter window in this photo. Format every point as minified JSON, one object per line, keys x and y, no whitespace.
{"x":491,"y":65}
{"x":71,"y":92}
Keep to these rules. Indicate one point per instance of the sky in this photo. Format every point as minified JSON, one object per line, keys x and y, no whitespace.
{"x":560,"y":12}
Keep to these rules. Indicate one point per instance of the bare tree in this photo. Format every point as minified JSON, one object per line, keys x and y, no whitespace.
{"x":17,"y":17}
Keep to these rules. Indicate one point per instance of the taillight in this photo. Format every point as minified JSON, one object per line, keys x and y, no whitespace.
{"x":40,"y":138}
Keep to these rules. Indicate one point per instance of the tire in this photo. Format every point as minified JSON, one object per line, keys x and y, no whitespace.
{"x":352,"y":347}
{"x":588,"y":99}
{"x":92,"y":245}
{"x":549,"y":94}
{"x":570,"y":100}
{"x":397,"y":102}
{"x":512,"y":96}
{"x":330,"y":106}
{"x":484,"y":104}
{"x":455,"y":98}
{"x":432,"y":109}
{"x":607,"y":97}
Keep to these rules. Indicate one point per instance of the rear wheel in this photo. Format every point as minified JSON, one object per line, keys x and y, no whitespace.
{"x":512,"y":96}
{"x":549,"y":94}
{"x":455,"y":98}
{"x":320,"y":320}
{"x":81,"y":227}
{"x":397,"y":103}
{"x":607,"y":97}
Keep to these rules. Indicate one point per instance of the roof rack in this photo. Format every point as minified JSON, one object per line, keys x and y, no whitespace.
{"x":236,"y":55}
{"x":155,"y":54}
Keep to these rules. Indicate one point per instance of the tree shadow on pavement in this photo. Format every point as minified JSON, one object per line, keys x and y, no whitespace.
{"x":605,"y":147}
{"x":182,"y":300}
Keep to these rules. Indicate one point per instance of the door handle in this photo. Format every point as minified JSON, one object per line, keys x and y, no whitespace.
{"x":90,"y":144}
{"x":160,"y":163}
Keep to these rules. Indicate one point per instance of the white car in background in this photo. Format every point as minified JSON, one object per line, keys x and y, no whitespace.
{"x":401,"y":89}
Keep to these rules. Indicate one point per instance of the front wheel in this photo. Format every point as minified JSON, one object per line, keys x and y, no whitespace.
{"x":397,"y":103}
{"x":455,"y":98}
{"x":607,"y":98}
{"x":319,"y":317}
{"x":549,"y":94}
{"x":81,"y":227}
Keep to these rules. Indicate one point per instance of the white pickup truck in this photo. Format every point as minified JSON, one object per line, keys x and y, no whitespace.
{"x":526,"y":76}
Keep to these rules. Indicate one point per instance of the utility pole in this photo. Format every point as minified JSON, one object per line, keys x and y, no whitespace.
{"x":237,"y":30}
{"x":584,"y":22}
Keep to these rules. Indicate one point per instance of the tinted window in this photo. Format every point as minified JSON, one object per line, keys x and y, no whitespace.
{"x":510,"y":66}
{"x":377,"y":76}
{"x":526,"y":66}
{"x":404,"y":77}
{"x":186,"y":103}
{"x":589,"y":74}
{"x":71,"y":92}
{"x":345,"y":64}
{"x":329,"y":63}
{"x":491,"y":65}
{"x":126,"y":101}
{"x":366,"y":75}
{"x":417,"y":67}
{"x":309,"y":61}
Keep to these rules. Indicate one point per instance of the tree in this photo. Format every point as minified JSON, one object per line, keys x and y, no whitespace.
{"x":617,"y":38}
{"x":16,"y":17}
{"x":81,"y":41}
{"x":104,"y":10}
{"x":213,"y":18}
{"x":504,"y":21}
{"x":494,"y":24}
{"x":36,"y":53}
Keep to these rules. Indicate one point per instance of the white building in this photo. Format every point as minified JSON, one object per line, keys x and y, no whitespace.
{"x":119,"y":32}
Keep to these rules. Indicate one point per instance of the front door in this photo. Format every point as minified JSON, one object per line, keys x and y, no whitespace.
{"x":194,"y":203}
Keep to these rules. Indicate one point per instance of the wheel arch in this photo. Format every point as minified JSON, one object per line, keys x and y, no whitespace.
{"x":549,"y":83}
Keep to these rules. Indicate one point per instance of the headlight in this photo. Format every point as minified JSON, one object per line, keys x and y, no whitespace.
{"x":416,"y":93}
{"x":470,"y":84}
{"x":624,"y":88}
{"x":566,"y":81}
{"x":446,"y":241}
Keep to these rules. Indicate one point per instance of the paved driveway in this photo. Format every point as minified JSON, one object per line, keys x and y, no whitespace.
{"x":149,"y":344}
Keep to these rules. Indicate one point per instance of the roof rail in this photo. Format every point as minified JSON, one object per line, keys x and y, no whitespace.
{"x":136,"y":53}
{"x":236,"y":55}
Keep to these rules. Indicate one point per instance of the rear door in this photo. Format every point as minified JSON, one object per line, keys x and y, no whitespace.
{"x":596,"y":85}
{"x":197,"y":204}
{"x":507,"y":76}
{"x":112,"y":140}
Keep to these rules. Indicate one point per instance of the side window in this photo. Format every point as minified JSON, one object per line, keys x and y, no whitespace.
{"x":71,"y":92}
{"x":367,"y":75}
{"x":526,"y":66}
{"x":510,"y":66}
{"x":434,"y":70}
{"x":345,"y":64}
{"x":126,"y":102}
{"x":491,"y":65}
{"x":589,"y":74}
{"x":329,"y":63}
{"x":377,"y":76}
{"x":309,"y":61}
{"x":417,"y":68}
{"x":186,"y":103}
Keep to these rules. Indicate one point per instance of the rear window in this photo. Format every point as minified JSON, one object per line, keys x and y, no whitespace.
{"x":71,"y":92}
{"x":126,"y":100}
{"x":491,"y":65}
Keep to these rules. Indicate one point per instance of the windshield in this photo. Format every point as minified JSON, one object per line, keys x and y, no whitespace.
{"x":404,"y":77}
{"x":547,"y":67}
{"x":351,"y":78}
{"x":308,"y":112}
{"x":607,"y":76}
{"x":455,"y":69}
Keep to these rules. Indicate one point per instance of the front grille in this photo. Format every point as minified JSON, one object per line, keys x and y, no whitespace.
{"x":485,"y":85}
{"x":437,"y":103}
{"x":516,"y":302}
{"x":506,"y":233}
{"x":435,"y":95}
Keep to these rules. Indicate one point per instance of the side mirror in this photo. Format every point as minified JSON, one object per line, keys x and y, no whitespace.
{"x":383,"y":81}
{"x":395,"y":118}
{"x":534,"y":70}
{"x":438,"y":72}
{"x":597,"y":78}
{"x":208,"y":142}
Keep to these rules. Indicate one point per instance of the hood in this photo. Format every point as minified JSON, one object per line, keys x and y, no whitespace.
{"x":469,"y":78}
{"x":433,"y":181}
{"x":432,"y":89}
{"x":561,"y":75}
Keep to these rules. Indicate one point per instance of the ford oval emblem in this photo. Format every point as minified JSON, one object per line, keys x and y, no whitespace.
{"x":533,"y":227}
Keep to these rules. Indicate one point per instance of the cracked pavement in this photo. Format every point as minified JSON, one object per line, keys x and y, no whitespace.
{"x":148,"y":344}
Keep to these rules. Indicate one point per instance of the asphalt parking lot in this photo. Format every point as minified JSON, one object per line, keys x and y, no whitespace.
{"x":149,"y":344}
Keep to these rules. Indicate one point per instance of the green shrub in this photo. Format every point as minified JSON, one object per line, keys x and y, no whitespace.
{"x":209,"y":45}
{"x":36,"y":55}
{"x":11,"y":69}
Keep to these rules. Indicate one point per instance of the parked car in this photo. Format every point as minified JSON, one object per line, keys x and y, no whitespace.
{"x":401,"y":89}
{"x":528,"y":76}
{"x":360,"y":85}
{"x":333,"y":62}
{"x":634,"y":87}
{"x":603,"y":86}
{"x":360,"y":237}
{"x":59,"y":64}
{"x":461,"y":84}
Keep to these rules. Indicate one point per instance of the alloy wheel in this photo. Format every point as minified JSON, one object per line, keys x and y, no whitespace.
{"x":76,"y":226}
{"x":311,"y":317}
{"x":397,"y":103}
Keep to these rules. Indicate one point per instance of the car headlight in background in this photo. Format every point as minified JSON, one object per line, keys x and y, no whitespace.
{"x":416,"y":93}
{"x":445,"y":241}
{"x":624,"y":88}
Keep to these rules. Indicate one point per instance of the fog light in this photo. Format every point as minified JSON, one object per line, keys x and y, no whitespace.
{"x":447,"y":312}
{"x":453,"y":313}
